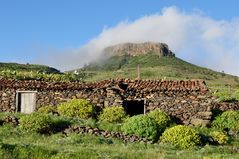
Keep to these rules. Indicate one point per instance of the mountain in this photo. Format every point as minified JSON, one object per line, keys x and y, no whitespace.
{"x":27,"y":68}
{"x":152,"y":61}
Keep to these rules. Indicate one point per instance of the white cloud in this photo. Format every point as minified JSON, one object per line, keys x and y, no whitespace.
{"x":192,"y":36}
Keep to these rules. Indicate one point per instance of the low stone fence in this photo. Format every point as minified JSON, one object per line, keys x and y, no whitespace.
{"x":107,"y":134}
{"x":223,"y":106}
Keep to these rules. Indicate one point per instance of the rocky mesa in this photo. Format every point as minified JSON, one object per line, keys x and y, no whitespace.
{"x":135,"y":49}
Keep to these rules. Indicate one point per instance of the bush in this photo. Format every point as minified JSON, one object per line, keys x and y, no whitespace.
{"x":180,"y":136}
{"x":36,"y":122}
{"x":115,"y":114}
{"x":47,"y":109}
{"x":224,"y":96}
{"x":141,"y":125}
{"x":228,"y":120}
{"x":237,"y":94}
{"x":60,"y":123}
{"x":66,"y":155}
{"x":21,"y":151}
{"x":116,"y":127}
{"x":76,"y":108}
{"x":161,"y":118}
{"x":219,"y":137}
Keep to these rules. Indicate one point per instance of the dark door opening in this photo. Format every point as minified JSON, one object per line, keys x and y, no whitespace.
{"x":134,"y":107}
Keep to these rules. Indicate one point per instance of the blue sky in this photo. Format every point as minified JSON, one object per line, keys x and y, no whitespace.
{"x":36,"y":31}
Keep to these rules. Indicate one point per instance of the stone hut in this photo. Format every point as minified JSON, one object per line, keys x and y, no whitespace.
{"x":188,"y":102}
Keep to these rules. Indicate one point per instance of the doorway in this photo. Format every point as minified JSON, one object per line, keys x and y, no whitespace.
{"x":134,"y":107}
{"x":26,"y":101}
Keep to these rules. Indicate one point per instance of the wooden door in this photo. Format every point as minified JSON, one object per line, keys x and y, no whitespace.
{"x":26,"y":102}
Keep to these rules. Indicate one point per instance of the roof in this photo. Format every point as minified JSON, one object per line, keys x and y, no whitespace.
{"x":124,"y":84}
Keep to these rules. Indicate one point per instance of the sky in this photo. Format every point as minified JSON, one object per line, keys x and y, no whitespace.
{"x":67,"y":34}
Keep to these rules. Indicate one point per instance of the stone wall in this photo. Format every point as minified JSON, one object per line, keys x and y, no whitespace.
{"x":223,"y":106}
{"x":189,"y":102}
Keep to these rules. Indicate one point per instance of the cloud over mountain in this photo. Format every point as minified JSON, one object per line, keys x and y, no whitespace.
{"x":192,"y":36}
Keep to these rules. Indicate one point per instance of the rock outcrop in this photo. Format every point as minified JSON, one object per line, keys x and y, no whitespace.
{"x":135,"y":49}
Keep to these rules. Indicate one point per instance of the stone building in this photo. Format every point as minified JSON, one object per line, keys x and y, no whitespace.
{"x":188,"y":102}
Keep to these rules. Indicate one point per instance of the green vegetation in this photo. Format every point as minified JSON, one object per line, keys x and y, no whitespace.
{"x":76,"y":108}
{"x":151,"y":67}
{"x":228,"y":120}
{"x":18,"y":143}
{"x":224,"y":95}
{"x":163,"y":120}
{"x":113,"y":63}
{"x":219,"y":137}
{"x":26,"y":75}
{"x":28,"y":67}
{"x":36,"y":72}
{"x":155,"y":67}
{"x":227,"y":95}
{"x":181,"y":136}
{"x":114,"y":114}
{"x":17,"y":151}
{"x":23,"y":141}
{"x":236,"y":94}
{"x":36,"y":122}
{"x":141,"y":125}
{"x":49,"y":109}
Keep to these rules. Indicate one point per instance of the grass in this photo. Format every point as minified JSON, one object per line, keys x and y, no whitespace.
{"x":15,"y":143}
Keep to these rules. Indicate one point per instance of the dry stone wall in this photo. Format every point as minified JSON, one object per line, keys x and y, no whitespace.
{"x":188,"y":102}
{"x":107,"y":134}
{"x":226,"y":106}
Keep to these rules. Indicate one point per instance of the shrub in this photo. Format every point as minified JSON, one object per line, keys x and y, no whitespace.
{"x":161,"y":118}
{"x":115,"y":114}
{"x":47,"y":109}
{"x":237,"y":94}
{"x":141,"y":125}
{"x":180,"y":136}
{"x":116,"y":127}
{"x":219,"y":137}
{"x":224,"y":96}
{"x":66,"y":155}
{"x":228,"y":120}
{"x":21,"y":151}
{"x":59,"y":123}
{"x":36,"y":122}
{"x":76,"y":108}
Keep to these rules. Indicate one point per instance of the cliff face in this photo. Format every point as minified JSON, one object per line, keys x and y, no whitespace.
{"x":135,"y":49}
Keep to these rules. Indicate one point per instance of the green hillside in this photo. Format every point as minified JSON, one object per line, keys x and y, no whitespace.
{"x":154,"y":67}
{"x":34,"y":72}
{"x":27,"y":67}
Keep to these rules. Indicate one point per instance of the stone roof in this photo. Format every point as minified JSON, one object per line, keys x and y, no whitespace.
{"x":124,"y":84}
